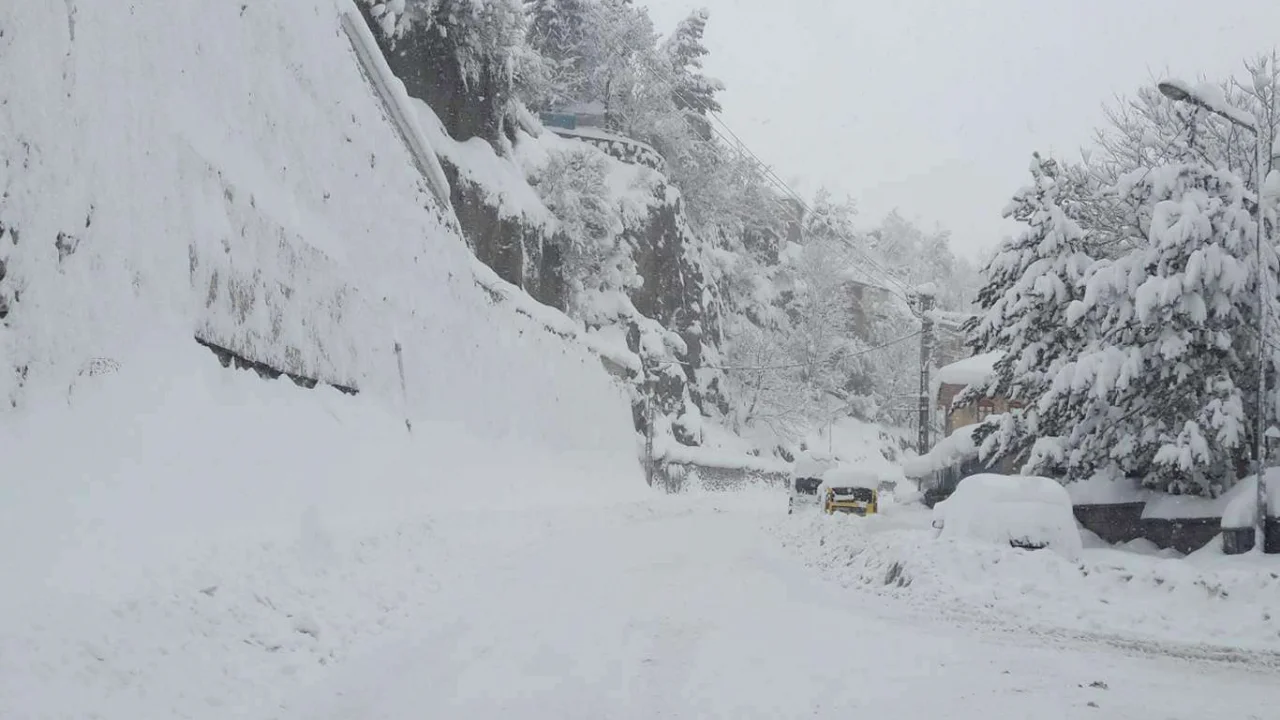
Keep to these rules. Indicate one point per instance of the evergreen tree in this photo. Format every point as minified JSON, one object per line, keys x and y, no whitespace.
{"x":557,"y":31}
{"x":1030,"y":283}
{"x":692,"y":92}
{"x":1162,"y":393}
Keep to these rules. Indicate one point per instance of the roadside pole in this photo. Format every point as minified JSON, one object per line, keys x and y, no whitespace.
{"x":926,"y":357}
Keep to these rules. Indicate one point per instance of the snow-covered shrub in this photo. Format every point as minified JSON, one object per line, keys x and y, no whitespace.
{"x":595,"y":257}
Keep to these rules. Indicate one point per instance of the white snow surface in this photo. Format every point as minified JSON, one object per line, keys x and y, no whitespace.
{"x":1184,"y":507}
{"x":812,"y":465}
{"x":854,"y":442}
{"x":969,"y":371}
{"x":1207,"y":603}
{"x":951,"y":450}
{"x":477,"y":161}
{"x":192,"y":534}
{"x":1241,"y":501}
{"x":851,"y":476}
{"x":1103,"y":490}
{"x":683,"y":608}
{"x":1000,"y":509}
{"x":1212,"y":98}
{"x":185,"y":540}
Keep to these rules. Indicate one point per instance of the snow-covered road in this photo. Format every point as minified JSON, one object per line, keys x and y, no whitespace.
{"x":688,"y":607}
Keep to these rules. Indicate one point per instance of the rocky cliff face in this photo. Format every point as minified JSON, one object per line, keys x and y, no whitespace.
{"x":491,"y":157}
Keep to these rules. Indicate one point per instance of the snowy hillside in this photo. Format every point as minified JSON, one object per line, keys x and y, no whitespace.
{"x":223,"y":171}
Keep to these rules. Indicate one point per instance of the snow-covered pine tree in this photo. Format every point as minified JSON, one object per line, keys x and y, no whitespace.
{"x":692,"y":92}
{"x":557,"y":31}
{"x":1163,"y":392}
{"x":1030,"y":282}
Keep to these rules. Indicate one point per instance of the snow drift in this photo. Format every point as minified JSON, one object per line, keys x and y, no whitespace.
{"x":224,"y":171}
{"x":1206,"y":599}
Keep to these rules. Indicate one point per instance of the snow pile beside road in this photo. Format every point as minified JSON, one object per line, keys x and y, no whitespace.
{"x":1241,"y":501}
{"x":954,"y":449}
{"x":1211,"y":601}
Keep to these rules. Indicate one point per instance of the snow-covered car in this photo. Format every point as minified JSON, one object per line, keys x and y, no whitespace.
{"x":850,"y":489}
{"x":806,"y":479}
{"x":1024,"y":511}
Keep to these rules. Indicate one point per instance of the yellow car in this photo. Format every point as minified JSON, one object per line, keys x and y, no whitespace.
{"x":855,"y":500}
{"x":847,"y":490}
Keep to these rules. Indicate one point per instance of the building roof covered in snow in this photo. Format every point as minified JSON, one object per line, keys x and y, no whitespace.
{"x":970,"y":370}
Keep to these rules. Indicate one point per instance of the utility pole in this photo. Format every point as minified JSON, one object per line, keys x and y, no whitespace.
{"x":648,"y":384}
{"x":926,"y":358}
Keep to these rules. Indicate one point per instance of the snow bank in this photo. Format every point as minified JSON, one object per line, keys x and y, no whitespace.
{"x":1102,"y":490}
{"x":674,"y":452}
{"x":810,"y":465}
{"x":874,"y":448}
{"x":954,"y":449}
{"x":224,"y":170}
{"x":477,"y":161}
{"x":1003,"y":509}
{"x":1184,"y":507}
{"x":1241,"y":501}
{"x":849,"y":476}
{"x":970,"y":371}
{"x":1205,"y":599}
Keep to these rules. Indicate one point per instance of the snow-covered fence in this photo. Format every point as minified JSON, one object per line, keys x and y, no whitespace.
{"x":1113,"y":522}
{"x":619,"y":147}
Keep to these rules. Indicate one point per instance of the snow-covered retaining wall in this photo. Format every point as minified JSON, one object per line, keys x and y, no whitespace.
{"x":688,"y":476}
{"x":223,"y":171}
{"x":616,"y":146}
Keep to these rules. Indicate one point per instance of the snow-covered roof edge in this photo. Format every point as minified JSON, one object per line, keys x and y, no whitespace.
{"x":971,"y":370}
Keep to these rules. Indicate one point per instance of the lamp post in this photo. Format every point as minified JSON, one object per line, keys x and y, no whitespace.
{"x":1182,"y":92}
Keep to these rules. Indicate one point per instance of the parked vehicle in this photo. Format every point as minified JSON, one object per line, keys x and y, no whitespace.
{"x":806,"y":478}
{"x":1023,"y":511}
{"x":850,"y":490}
{"x":804,"y":494}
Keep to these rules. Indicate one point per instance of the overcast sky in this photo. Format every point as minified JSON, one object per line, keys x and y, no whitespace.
{"x":934,"y":107}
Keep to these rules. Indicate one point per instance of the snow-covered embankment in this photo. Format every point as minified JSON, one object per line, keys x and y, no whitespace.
{"x":174,"y":170}
{"x":1204,"y":600}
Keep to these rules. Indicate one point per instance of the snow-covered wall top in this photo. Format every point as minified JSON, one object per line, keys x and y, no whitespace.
{"x":617,"y":146}
{"x":181,"y":169}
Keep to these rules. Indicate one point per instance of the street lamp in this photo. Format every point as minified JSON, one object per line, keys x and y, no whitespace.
{"x":1211,"y":99}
